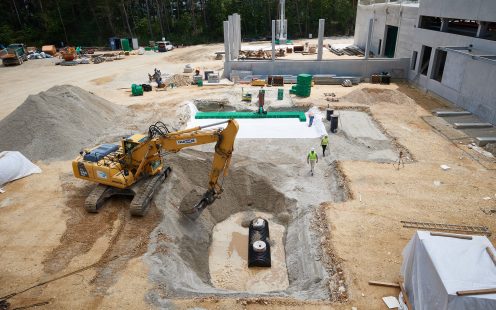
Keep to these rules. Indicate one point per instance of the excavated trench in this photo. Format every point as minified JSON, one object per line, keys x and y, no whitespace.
{"x":178,"y":253}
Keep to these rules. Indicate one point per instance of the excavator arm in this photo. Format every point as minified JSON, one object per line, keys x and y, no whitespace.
{"x":224,"y":139}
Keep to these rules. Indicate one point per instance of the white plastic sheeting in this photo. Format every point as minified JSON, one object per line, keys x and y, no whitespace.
{"x":277,"y":128}
{"x":435,"y":268}
{"x":13,"y":166}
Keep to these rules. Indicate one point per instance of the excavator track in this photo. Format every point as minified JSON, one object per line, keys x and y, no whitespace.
{"x":96,"y":198}
{"x":145,"y":192}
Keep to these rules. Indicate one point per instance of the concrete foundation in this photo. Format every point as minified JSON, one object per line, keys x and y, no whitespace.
{"x":347,"y":67}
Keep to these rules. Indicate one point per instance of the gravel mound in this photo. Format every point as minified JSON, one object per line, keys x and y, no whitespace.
{"x":179,"y":80}
{"x":57,"y":123}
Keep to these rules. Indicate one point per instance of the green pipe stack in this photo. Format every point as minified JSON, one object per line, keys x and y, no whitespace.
{"x":303,"y":85}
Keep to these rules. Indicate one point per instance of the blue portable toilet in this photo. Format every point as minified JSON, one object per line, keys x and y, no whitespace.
{"x":115,"y":43}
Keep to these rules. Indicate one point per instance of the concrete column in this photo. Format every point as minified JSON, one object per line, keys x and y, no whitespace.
{"x":278,"y":27}
{"x":285,"y":34}
{"x":273,"y":40}
{"x":239,"y":32}
{"x":444,"y":24}
{"x":483,"y":29}
{"x":232,"y":36}
{"x":236,"y":37}
{"x":227,"y":48}
{"x":320,"y":48}
{"x":369,"y":38}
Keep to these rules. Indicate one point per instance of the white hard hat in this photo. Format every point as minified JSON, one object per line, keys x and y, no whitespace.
{"x":313,"y":149}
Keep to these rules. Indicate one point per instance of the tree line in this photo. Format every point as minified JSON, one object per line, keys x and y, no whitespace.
{"x":92,"y":22}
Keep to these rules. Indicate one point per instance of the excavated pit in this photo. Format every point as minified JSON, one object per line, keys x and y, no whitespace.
{"x":179,"y":249}
{"x":231,"y":100}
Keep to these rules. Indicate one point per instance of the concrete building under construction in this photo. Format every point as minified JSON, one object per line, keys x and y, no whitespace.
{"x":451,"y":45}
{"x":446,"y":47}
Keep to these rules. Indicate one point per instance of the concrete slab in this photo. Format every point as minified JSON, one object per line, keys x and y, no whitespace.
{"x":451,"y":113}
{"x":472,"y":125}
{"x":462,"y":119}
{"x":483,"y":141}
{"x":441,"y":125}
{"x":481,"y":132}
{"x":359,"y":125}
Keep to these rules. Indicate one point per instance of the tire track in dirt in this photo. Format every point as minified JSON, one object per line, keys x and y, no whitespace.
{"x":129,"y":236}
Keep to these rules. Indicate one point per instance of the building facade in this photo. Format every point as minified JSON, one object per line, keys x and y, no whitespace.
{"x":451,"y":45}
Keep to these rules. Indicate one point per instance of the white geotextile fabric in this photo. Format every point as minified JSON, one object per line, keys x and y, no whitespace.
{"x":275,"y":128}
{"x":435,"y":268}
{"x":13,"y":166}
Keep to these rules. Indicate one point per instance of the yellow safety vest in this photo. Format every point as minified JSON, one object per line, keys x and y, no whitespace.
{"x":325,"y":141}
{"x":312,"y":156}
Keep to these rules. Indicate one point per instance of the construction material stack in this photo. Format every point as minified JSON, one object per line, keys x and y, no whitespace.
{"x":303,"y":85}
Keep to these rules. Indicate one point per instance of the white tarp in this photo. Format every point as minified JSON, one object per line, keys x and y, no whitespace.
{"x":265,"y":128}
{"x":435,"y":268}
{"x":13,"y":166}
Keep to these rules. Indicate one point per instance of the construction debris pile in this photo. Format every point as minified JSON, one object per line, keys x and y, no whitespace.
{"x":57,"y":123}
{"x":178,"y":80}
{"x":261,"y":53}
{"x":349,"y":50}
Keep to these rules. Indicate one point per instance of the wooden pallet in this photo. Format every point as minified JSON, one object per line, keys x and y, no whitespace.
{"x":478,"y":230}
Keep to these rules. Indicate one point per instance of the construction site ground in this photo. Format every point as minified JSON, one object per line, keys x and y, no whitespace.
{"x":53,"y":255}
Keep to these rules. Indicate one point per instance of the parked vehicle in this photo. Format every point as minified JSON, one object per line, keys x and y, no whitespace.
{"x":14,"y":54}
{"x":164,"y":46}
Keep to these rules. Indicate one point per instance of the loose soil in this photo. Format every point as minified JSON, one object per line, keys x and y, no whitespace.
{"x":350,"y":211}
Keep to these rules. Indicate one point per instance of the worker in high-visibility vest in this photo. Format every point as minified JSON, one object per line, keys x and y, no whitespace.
{"x":324,"y":142}
{"x":312,"y":159}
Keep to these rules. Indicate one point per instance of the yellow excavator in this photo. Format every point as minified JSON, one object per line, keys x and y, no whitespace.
{"x":136,"y":167}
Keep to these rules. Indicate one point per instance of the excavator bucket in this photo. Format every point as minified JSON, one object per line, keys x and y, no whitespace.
{"x":195,"y":212}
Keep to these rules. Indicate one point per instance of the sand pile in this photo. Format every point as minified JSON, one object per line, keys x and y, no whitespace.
{"x":57,"y":123}
{"x":370,"y":96}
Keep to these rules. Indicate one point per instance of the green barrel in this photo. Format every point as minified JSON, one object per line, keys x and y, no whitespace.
{"x":200,"y":82}
{"x":137,"y":90}
{"x":280,"y":93}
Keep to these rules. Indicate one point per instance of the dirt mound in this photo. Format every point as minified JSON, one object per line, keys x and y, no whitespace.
{"x":57,"y":123}
{"x":370,"y":96}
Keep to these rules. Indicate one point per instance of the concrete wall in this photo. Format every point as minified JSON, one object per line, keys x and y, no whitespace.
{"x":474,"y":92}
{"x":467,"y":82}
{"x":403,"y":16}
{"x":342,"y":67}
{"x":484,"y":10}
